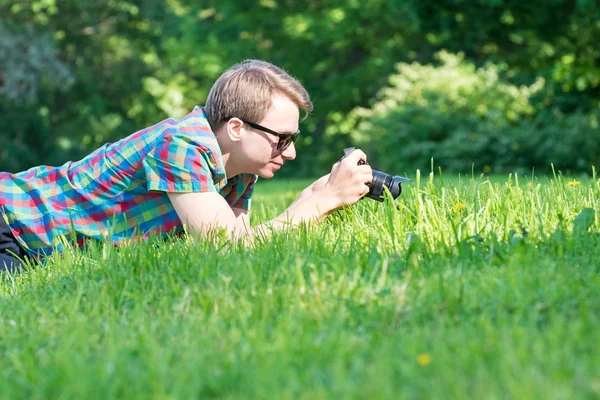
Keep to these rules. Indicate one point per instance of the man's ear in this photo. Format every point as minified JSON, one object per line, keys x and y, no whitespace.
{"x":234,"y":129}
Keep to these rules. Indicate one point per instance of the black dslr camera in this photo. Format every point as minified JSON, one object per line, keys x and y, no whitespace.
{"x":380,"y":181}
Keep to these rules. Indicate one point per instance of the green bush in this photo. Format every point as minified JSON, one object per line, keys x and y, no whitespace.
{"x":25,"y":136}
{"x":463,"y":117}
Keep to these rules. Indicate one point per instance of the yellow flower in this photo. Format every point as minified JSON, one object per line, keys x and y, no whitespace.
{"x":458,"y":207}
{"x":424,"y":359}
{"x":574,"y":183}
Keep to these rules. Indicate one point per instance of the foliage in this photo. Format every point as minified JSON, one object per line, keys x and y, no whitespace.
{"x":134,"y":63}
{"x":471,"y":288}
{"x":29,"y":58}
{"x":102,"y":46}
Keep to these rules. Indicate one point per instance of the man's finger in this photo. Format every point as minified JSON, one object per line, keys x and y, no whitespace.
{"x":355,"y":156}
{"x":364,"y":169}
{"x":367,"y":178}
{"x":366,"y":192}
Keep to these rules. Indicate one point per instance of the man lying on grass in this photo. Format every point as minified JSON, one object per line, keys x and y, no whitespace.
{"x":197,"y":172}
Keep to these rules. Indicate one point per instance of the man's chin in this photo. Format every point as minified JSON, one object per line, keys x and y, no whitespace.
{"x":266,"y":174}
{"x":269,"y":170}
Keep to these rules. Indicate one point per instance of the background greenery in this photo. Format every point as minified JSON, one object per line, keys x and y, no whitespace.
{"x":493,"y":85}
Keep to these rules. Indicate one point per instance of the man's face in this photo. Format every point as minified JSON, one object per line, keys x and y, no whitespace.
{"x":260,"y":148}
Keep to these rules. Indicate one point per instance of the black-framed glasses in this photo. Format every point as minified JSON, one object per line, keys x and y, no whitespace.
{"x":285,"y":139}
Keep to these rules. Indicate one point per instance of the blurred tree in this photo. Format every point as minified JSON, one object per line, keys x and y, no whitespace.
{"x":105,"y":47}
{"x":134,"y":62}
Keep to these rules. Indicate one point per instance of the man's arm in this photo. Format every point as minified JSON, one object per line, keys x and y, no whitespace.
{"x":345,"y":185}
{"x":243,"y":216}
{"x":205,"y":212}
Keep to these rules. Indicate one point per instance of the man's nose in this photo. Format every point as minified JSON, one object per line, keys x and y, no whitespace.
{"x":290,"y":152}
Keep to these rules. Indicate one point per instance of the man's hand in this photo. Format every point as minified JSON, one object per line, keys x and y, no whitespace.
{"x":348,"y":181}
{"x":344,"y":184}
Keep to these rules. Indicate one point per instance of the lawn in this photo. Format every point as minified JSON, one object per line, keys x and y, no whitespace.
{"x":465,"y":288}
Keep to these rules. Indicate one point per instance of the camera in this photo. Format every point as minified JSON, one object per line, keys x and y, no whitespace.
{"x":382,"y":180}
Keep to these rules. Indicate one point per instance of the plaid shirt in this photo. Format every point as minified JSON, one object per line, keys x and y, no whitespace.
{"x":120,"y":190}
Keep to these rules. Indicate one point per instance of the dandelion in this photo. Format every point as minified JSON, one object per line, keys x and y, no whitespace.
{"x":424,"y":359}
{"x":573,"y":183}
{"x":458,"y":207}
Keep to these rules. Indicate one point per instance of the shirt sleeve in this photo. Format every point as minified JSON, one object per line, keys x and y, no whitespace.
{"x":241,"y":192}
{"x":183,"y":163}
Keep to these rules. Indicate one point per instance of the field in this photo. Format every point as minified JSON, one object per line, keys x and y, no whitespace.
{"x":470,"y":288}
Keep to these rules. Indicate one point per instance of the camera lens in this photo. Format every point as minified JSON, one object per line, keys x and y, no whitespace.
{"x":382,"y":180}
{"x":396,"y":187}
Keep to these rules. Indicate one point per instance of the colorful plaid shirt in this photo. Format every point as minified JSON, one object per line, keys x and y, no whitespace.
{"x":120,"y":190}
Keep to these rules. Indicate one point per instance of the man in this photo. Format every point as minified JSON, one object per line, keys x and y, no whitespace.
{"x":198,"y":172}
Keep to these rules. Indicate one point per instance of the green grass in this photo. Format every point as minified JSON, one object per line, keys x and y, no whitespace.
{"x":470,"y":289}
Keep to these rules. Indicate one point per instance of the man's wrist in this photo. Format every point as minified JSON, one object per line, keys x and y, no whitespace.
{"x":325,"y":200}
{"x":313,"y":204}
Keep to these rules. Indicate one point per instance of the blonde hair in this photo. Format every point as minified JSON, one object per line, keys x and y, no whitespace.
{"x":246,"y":90}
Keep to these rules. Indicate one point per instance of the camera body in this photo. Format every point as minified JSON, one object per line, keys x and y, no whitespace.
{"x":380,"y":181}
